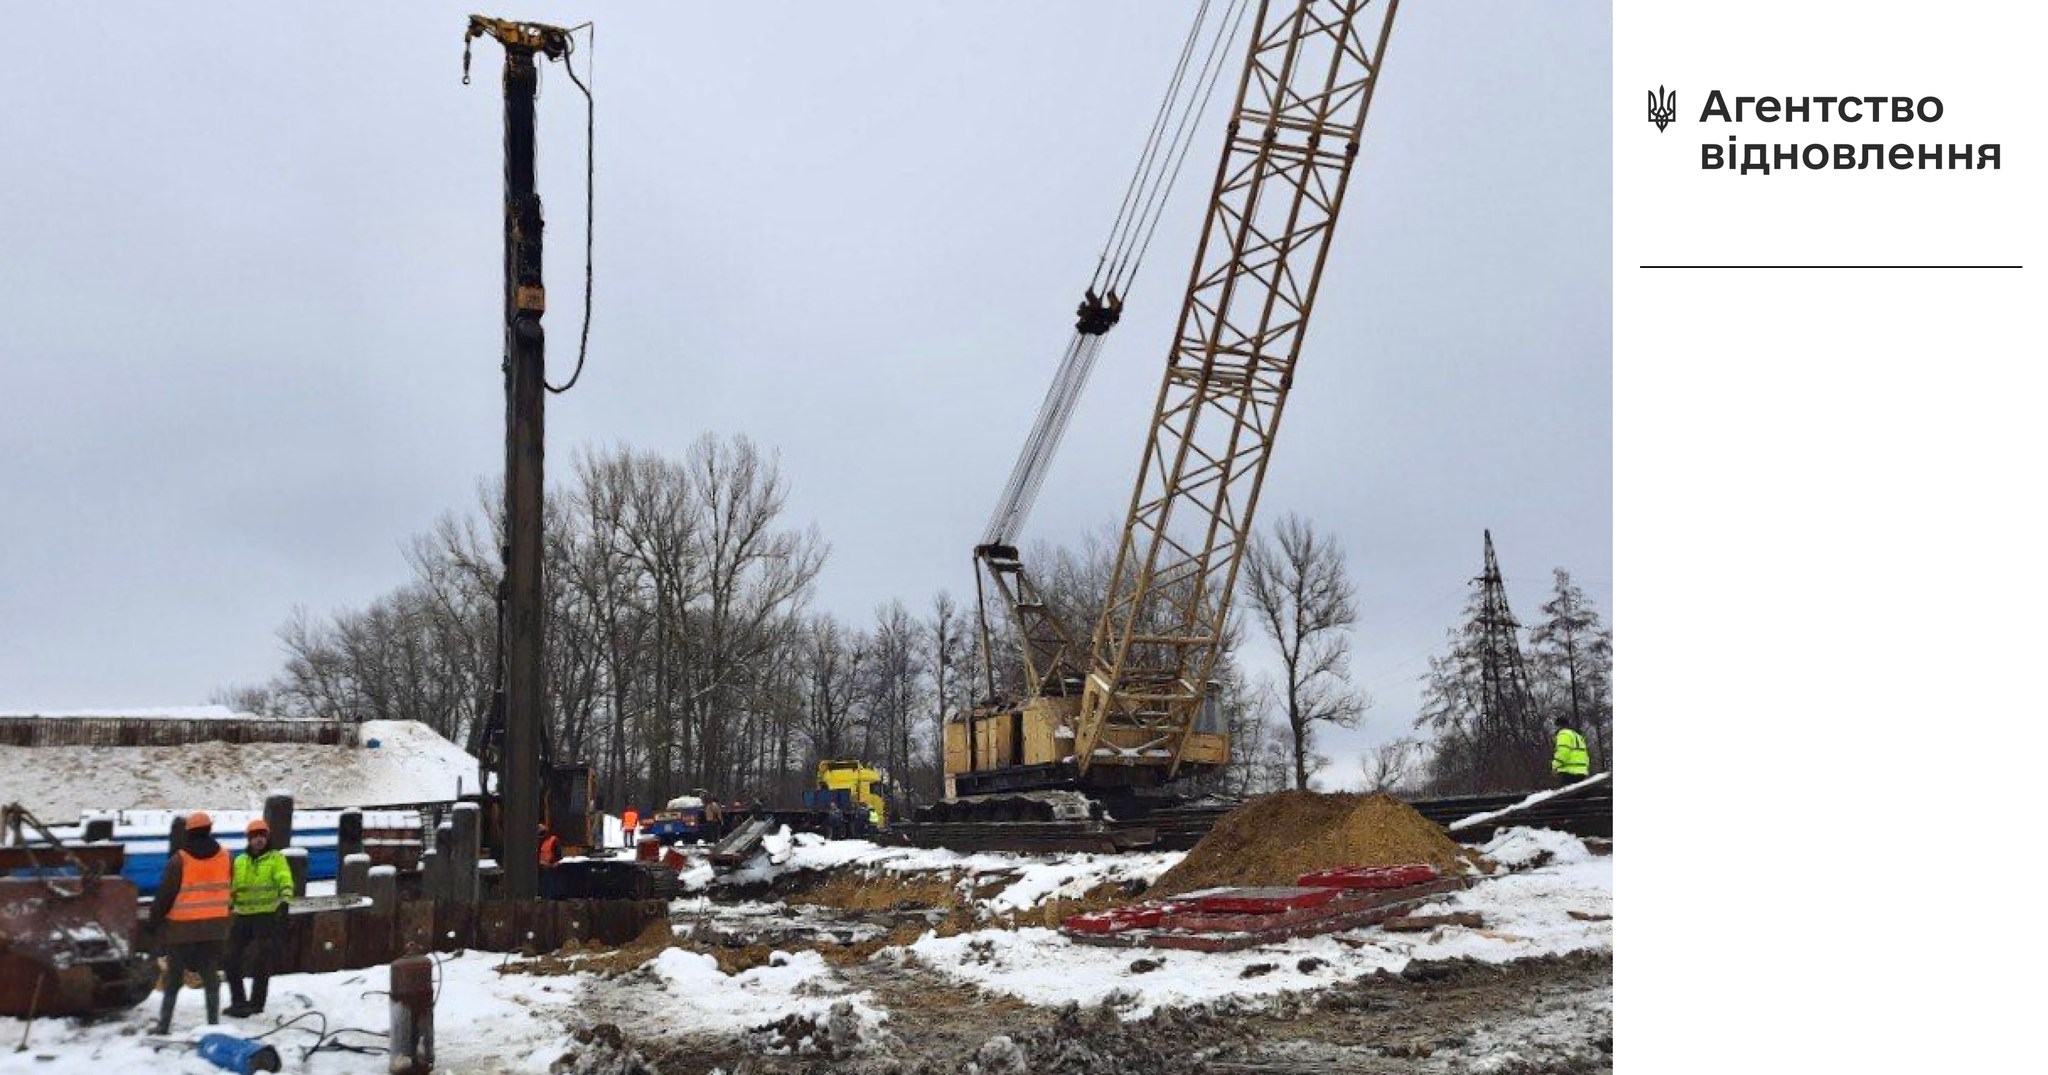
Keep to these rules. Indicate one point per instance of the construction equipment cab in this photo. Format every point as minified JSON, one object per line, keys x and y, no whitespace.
{"x":862,"y":785}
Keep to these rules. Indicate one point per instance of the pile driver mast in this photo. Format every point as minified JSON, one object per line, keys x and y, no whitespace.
{"x":1128,"y":711}
{"x":521,"y":629}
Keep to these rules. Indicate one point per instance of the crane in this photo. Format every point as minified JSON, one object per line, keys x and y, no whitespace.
{"x":1127,"y":707}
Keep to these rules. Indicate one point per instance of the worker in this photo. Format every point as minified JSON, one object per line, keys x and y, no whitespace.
{"x":631,"y":821}
{"x":1569,"y":762}
{"x":262,"y":887}
{"x":714,"y":818}
{"x":188,"y":920}
{"x":835,"y":822}
{"x":550,"y":857}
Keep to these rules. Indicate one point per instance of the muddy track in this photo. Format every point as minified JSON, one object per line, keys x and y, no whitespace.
{"x":1536,"y":1017}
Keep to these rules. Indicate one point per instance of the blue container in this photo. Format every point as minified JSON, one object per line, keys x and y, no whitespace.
{"x":243,"y":1056}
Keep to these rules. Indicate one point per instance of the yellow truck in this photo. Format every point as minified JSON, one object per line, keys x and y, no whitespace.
{"x":860,"y":784}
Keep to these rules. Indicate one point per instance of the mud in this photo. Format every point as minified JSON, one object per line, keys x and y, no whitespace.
{"x":1550,"y":1016}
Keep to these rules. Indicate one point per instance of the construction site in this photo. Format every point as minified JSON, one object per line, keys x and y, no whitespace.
{"x":645,"y":832}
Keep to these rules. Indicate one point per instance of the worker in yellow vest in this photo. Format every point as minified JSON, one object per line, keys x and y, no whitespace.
{"x":188,"y":920}
{"x":262,"y":886}
{"x":1569,"y":762}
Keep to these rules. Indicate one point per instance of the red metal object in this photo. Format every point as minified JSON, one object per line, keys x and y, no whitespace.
{"x":1262,"y":900}
{"x":647,"y":849}
{"x":1354,"y":910}
{"x":1120,"y":919}
{"x":674,"y":859}
{"x":1371,"y":877}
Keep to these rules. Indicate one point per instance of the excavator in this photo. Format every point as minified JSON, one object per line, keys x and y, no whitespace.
{"x":1101,"y":727}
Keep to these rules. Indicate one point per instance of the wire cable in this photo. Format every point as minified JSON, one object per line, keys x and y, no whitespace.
{"x":589,"y":187}
{"x":1213,"y":73}
{"x":1141,"y":171}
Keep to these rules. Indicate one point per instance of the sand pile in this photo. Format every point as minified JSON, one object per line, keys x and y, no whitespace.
{"x":1276,"y":838}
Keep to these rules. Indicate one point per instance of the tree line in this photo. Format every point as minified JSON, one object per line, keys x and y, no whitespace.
{"x":683,"y":651}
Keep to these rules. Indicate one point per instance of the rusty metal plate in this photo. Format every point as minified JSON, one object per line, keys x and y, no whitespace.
{"x":67,"y":944}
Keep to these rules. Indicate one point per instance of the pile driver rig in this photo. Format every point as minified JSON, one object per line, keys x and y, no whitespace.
{"x":1125,"y":711}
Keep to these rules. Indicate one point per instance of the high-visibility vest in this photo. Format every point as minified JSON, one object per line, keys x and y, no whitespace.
{"x":550,"y":849}
{"x":1571,"y":758}
{"x":261,"y":883}
{"x":202,"y":889}
{"x":632,"y":819}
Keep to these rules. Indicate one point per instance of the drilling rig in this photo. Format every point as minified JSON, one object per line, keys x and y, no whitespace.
{"x":1108,"y":722}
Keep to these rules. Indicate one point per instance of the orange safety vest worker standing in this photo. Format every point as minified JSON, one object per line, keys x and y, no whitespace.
{"x":189,"y":917}
{"x":631,"y":821}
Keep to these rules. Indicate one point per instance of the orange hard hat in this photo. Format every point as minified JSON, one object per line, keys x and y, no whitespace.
{"x":259,"y":825}
{"x":198,"y":819}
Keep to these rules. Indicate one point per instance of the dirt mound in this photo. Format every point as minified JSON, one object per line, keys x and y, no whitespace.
{"x":595,"y":956}
{"x":1276,"y":838}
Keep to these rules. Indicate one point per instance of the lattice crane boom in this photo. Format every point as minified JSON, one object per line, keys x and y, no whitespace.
{"x":1286,"y":163}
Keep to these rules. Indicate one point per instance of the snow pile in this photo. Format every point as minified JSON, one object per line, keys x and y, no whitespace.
{"x":1032,"y":880}
{"x":707,"y":1000}
{"x":697,"y":875}
{"x":484,"y":1021}
{"x":1527,"y":914}
{"x":410,"y":764}
{"x":1519,"y":847}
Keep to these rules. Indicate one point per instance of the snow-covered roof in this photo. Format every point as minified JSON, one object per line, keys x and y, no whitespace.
{"x":172,"y":712}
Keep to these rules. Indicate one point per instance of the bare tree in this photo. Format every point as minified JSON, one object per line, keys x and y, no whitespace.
{"x":832,"y":658}
{"x":1389,"y":766}
{"x":1302,"y":597}
{"x":949,"y":651}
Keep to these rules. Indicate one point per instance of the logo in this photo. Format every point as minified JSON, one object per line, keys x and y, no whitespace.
{"x":1663,"y":110}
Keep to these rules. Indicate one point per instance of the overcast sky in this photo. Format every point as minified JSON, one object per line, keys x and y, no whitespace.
{"x":250,"y":300}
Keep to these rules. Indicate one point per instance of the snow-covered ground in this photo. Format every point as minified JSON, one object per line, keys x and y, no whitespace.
{"x":706,"y":999}
{"x":1526,"y":914}
{"x":1031,"y":880}
{"x":518,"y":1023}
{"x":484,"y":1022}
{"x":411,"y":763}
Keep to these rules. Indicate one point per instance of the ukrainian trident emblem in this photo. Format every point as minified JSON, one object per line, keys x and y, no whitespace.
{"x":1663,"y":109}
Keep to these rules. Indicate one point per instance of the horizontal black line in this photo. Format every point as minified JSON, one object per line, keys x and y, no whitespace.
{"x":1830,"y":266}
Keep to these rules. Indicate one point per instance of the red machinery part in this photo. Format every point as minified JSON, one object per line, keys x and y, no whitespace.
{"x":1371,"y":877}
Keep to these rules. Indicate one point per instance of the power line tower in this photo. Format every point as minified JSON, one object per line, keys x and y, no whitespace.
{"x":1507,"y":709}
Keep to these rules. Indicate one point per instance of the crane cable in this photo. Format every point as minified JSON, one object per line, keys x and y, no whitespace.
{"x":1130,"y":236}
{"x":589,"y":184}
{"x":1159,"y":164}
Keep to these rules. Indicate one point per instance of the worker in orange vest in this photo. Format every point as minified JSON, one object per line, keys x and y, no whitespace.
{"x":550,"y":857}
{"x":631,"y":821}
{"x":188,"y":920}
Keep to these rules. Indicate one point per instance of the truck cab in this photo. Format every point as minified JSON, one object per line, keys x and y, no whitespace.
{"x":861,"y":784}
